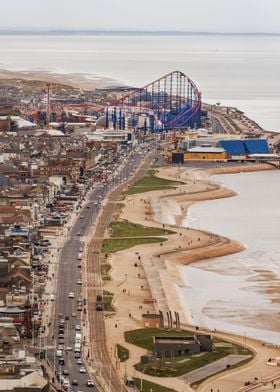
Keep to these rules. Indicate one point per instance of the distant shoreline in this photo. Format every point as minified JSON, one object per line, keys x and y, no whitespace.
{"x":75,"y":80}
{"x":61,"y":32}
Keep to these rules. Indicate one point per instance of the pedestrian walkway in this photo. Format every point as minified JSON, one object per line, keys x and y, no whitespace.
{"x":213,"y":368}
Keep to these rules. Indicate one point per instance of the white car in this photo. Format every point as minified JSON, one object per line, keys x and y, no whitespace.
{"x":68,"y":348}
{"x":90,"y":383}
{"x":82,"y":370}
{"x":79,"y":281}
{"x":71,"y":295}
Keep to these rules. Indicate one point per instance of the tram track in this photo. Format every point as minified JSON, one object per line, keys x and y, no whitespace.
{"x":99,"y":358}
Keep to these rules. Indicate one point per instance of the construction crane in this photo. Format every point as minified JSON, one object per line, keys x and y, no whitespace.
{"x":48,"y":114}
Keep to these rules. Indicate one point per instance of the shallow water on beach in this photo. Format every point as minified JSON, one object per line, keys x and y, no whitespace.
{"x":239,"y":293}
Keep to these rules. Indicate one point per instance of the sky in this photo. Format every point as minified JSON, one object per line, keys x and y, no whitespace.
{"x":179,"y":15}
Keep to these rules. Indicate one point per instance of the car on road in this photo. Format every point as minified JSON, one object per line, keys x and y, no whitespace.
{"x":77,"y":327}
{"x":81,"y":217}
{"x":60,"y":341}
{"x":74,"y":314}
{"x":79,"y":361}
{"x":60,"y":347}
{"x":90,"y":383}
{"x":79,"y":281}
{"x":66,"y":317}
{"x":66,"y":384}
{"x":68,"y":348}
{"x":77,"y":355}
{"x":75,"y":382}
{"x":71,"y":295}
{"x":82,"y":369}
{"x":66,"y":372}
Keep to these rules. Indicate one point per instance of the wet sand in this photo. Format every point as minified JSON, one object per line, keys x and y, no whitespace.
{"x":76,"y":80}
{"x":157,"y":276}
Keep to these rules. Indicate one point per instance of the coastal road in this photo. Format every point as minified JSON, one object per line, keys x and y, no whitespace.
{"x":98,"y":349}
{"x":69,"y":273}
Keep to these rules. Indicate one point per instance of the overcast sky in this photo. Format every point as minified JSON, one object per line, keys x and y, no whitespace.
{"x":186,"y":15}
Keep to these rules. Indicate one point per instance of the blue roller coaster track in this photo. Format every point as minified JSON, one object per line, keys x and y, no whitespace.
{"x":171,"y":102}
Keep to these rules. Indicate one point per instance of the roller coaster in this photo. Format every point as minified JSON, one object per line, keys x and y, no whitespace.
{"x":171,"y":102}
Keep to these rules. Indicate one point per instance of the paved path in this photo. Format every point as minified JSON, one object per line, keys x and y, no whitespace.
{"x":213,"y":368}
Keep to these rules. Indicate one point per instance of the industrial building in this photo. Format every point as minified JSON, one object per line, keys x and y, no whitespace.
{"x":245,"y":147}
{"x":176,"y":346}
{"x":220,"y":149}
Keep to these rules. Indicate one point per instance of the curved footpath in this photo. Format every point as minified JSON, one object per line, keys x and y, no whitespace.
{"x":157,"y":277}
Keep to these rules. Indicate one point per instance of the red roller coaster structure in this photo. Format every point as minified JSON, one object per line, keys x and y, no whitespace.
{"x":172,"y":101}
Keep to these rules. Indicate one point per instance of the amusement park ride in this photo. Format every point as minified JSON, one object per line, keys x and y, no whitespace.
{"x":173,"y":101}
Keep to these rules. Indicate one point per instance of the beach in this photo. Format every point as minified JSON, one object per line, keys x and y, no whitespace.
{"x":158,"y":275}
{"x":75,"y":79}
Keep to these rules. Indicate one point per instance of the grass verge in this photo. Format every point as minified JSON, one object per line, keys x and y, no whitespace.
{"x":107,"y":301}
{"x":112,"y":245}
{"x":122,"y":352}
{"x":150,"y":182}
{"x":148,"y":386}
{"x":105,"y":269}
{"x":144,"y":337}
{"x":128,"y":229}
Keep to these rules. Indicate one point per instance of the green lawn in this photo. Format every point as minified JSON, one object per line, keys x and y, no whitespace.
{"x":152,"y":183}
{"x":128,"y":229}
{"x":114,"y":245}
{"x":148,"y":386}
{"x":107,"y":301}
{"x":105,"y":269}
{"x":144,"y":337}
{"x":122,"y":352}
{"x":178,"y":366}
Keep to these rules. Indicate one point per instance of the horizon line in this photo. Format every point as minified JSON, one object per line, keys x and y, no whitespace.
{"x":52,"y":30}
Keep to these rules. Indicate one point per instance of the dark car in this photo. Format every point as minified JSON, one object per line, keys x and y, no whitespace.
{"x":99,"y":306}
{"x":75,"y":382}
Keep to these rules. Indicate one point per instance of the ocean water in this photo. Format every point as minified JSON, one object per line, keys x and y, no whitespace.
{"x":239,"y":293}
{"x":241,"y":71}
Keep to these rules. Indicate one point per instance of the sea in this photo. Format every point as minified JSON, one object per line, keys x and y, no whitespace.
{"x":234,"y":70}
{"x":239,"y":293}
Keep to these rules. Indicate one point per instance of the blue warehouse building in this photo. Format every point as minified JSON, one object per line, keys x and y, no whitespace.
{"x":245,"y":147}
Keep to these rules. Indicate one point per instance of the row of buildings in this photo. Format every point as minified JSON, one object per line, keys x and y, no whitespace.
{"x":44,"y":176}
{"x":202,"y":145}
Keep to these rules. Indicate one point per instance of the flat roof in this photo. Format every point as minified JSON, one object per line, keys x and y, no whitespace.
{"x":206,"y":149}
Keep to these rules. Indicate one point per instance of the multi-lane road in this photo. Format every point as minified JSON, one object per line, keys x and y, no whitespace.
{"x":69,"y":274}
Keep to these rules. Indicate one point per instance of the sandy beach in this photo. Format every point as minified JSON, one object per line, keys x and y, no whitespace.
{"x":157,"y":276}
{"x":76,"y":80}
